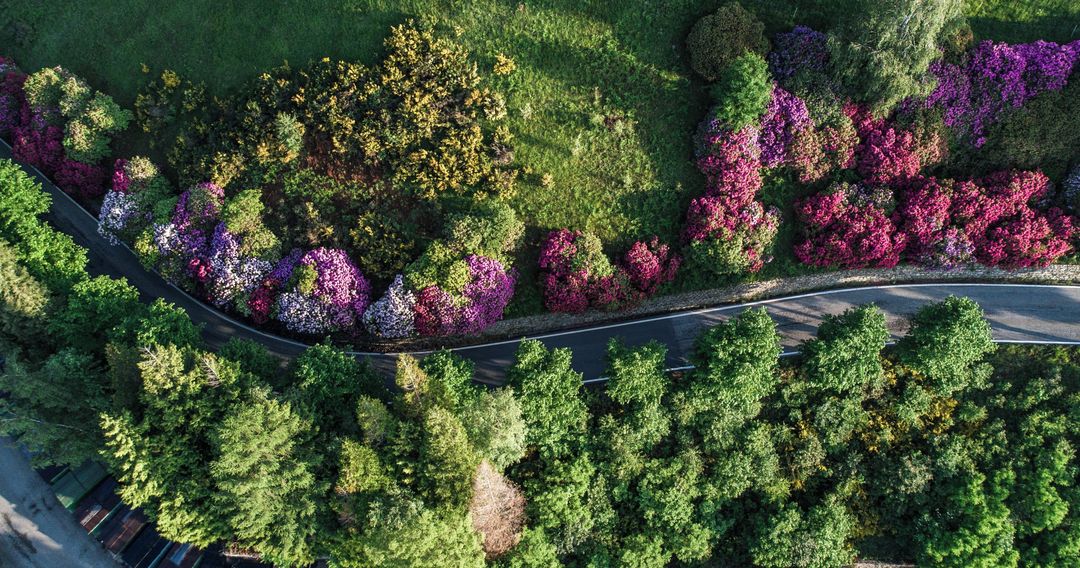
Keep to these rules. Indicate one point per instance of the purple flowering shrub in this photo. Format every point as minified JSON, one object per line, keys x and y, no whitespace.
{"x":464,"y":282}
{"x":785,"y":117}
{"x":576,"y":275}
{"x":802,"y":50}
{"x":994,"y":78}
{"x":12,"y":98}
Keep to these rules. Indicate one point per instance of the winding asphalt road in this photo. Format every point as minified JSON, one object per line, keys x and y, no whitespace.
{"x":1017,"y":312}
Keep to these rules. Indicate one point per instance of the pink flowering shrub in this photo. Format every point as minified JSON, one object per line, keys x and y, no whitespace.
{"x":86,"y":181}
{"x":575,"y":275}
{"x":848,"y":226}
{"x":888,"y":154}
{"x":732,"y":161}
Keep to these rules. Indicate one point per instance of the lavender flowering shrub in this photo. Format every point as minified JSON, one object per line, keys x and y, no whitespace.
{"x":995,"y":78}
{"x":393,"y":315}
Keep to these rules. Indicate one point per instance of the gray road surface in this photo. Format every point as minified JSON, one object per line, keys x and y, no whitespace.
{"x":36,"y":531}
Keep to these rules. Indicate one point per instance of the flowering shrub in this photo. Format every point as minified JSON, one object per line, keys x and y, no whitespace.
{"x":83,"y":180}
{"x":12,"y":99}
{"x":338,"y":286}
{"x":886,"y":153}
{"x":137,"y":187}
{"x":575,"y":274}
{"x":800,"y":50}
{"x":848,"y":226}
{"x":42,"y":148}
{"x":816,"y":152}
{"x":785,"y":116}
{"x":89,"y":118}
{"x":393,"y":315}
{"x":731,"y":161}
{"x":997,"y":77}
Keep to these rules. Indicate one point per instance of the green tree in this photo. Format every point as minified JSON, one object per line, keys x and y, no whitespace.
{"x":815,"y":539}
{"x":407,"y":535}
{"x":735,"y":368}
{"x":946,"y":343}
{"x":534,"y":551}
{"x":161,"y":450}
{"x":549,"y":392}
{"x":161,"y":324}
{"x":717,"y":39}
{"x":328,"y":385}
{"x":254,"y":358}
{"x":496,"y":427}
{"x":267,"y":489}
{"x":23,"y":300}
{"x":742,"y":91}
{"x":448,"y":461}
{"x":845,"y":357}
{"x":53,"y":409}
{"x":881,"y":51}
{"x":94,"y":307}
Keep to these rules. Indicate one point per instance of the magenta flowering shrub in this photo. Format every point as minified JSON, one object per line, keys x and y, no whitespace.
{"x":12,"y":98}
{"x":42,"y":148}
{"x":575,"y":275}
{"x":436,"y":313}
{"x":392,"y":316}
{"x":82,"y":180}
{"x":485,"y":297}
{"x":995,"y":78}
{"x":887,"y":154}
{"x":785,"y":116}
{"x":650,"y":264}
{"x":848,"y":226}
{"x":816,"y":152}
{"x":732,"y":161}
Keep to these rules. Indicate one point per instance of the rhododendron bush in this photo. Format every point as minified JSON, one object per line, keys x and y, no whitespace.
{"x":576,"y":275}
{"x":849,"y":226}
{"x":996,"y":77}
{"x":942,"y":224}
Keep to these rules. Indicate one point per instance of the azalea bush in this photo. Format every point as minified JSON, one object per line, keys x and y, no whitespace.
{"x":849,"y":226}
{"x":996,"y":78}
{"x":575,"y":273}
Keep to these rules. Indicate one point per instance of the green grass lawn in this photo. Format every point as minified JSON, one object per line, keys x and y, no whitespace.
{"x":603,"y":104}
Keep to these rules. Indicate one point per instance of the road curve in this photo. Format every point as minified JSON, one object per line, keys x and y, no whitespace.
{"x":1017,"y":312}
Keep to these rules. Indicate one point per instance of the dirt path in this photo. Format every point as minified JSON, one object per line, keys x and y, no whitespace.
{"x":36,"y":531}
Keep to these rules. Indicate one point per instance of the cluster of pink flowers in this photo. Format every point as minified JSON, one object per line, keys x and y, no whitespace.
{"x":995,"y":221}
{"x":482,"y":303}
{"x":37,"y":138}
{"x":886,"y":153}
{"x":848,"y":226}
{"x":575,"y":275}
{"x":729,"y":211}
{"x":995,"y":78}
{"x":939,"y":223}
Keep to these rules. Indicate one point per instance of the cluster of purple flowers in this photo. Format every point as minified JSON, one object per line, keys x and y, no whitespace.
{"x":997,"y":77}
{"x":801,"y":49}
{"x":785,"y":116}
{"x":485,"y":297}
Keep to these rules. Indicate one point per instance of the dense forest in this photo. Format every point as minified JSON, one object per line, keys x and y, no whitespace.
{"x":943,"y":448}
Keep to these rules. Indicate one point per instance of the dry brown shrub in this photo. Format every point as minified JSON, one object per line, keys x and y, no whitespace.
{"x":497,"y":509}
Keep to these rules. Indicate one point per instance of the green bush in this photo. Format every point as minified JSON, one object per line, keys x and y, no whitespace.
{"x":90,"y":118}
{"x":742,"y":91}
{"x":881,"y":52}
{"x":717,"y":39}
